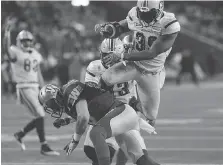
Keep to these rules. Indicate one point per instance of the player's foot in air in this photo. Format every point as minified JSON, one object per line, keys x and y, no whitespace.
{"x":18,"y":136}
{"x":46,"y":150}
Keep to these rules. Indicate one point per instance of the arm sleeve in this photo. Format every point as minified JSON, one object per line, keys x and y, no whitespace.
{"x":92,"y":74}
{"x":171,"y":25}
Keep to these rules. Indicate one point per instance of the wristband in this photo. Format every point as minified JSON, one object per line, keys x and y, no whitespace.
{"x":76,"y":137}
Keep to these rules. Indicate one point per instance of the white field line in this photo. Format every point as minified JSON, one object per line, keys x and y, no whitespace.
{"x":31,"y":138}
{"x":150,"y":149}
{"x":69,"y":163}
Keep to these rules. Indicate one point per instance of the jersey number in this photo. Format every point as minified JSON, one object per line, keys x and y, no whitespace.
{"x":27,"y":65}
{"x":73,"y":96}
{"x":140,"y":41}
{"x":121,"y":89}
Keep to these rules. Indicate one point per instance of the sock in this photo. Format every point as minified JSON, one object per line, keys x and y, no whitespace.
{"x":29,"y":127}
{"x":98,"y":135}
{"x":146,"y":160}
{"x":91,"y":154}
{"x":112,"y":152}
{"x":121,"y":158}
{"x":40,"y":129}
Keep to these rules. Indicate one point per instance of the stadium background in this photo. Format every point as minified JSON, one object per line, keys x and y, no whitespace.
{"x":190,"y":119}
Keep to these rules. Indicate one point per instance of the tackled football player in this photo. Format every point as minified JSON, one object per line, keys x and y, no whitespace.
{"x":154,"y":34}
{"x":125,"y":92}
{"x":90,"y":104}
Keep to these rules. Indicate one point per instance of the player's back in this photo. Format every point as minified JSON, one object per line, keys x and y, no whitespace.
{"x":99,"y":102}
{"x":122,"y":91}
{"x":145,"y":35}
{"x":25,"y":67}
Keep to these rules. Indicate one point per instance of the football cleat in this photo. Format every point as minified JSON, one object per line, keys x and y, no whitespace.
{"x":18,"y":136}
{"x":46,"y":150}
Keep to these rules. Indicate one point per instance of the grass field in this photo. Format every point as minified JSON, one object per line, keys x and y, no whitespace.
{"x":189,"y":127}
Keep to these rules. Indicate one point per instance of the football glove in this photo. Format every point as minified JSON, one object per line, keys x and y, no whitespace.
{"x":61,"y":122}
{"x":71,"y":146}
{"x":135,"y":104}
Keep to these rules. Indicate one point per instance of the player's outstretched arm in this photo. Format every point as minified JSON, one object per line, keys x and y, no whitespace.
{"x":82,"y":117}
{"x":8,"y":44}
{"x":162,"y":44}
{"x":81,"y":125}
{"x":112,"y":29}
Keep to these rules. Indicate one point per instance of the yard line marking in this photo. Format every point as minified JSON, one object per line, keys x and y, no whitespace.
{"x":69,"y":163}
{"x":149,"y":149}
{"x":178,"y":121}
{"x":31,"y":138}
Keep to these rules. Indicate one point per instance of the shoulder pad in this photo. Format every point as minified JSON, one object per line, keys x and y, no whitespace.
{"x":95,"y":68}
{"x":132,"y":15}
{"x":67,"y":88}
{"x":169,"y":24}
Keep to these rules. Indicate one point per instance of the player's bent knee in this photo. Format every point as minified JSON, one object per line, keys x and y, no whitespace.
{"x":97,"y":131}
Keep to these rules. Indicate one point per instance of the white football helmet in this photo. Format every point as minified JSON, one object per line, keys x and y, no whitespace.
{"x":25,"y":40}
{"x":150,"y":11}
{"x":111,"y":46}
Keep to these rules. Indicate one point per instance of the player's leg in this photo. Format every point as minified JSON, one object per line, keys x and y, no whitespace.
{"x":29,"y":98}
{"x":148,"y":86}
{"x":89,"y":149}
{"x":119,"y":73}
{"x":116,"y":122}
{"x":135,"y":147}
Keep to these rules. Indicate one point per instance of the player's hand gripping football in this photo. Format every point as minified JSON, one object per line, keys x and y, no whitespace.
{"x":71,"y":146}
{"x":112,"y":58}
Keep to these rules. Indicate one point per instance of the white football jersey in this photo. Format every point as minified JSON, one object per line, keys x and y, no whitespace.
{"x":122,"y":91}
{"x":25,"y":68}
{"x":145,"y":35}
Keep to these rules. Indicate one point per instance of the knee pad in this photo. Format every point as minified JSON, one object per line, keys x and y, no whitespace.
{"x":91,"y":154}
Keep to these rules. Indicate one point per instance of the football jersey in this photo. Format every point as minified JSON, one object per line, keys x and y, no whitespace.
{"x":25,"y":67}
{"x":122,"y":91}
{"x":145,"y":35}
{"x":99,"y":102}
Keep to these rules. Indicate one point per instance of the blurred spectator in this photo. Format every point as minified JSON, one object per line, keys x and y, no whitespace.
{"x":187,"y":66}
{"x":68,"y":50}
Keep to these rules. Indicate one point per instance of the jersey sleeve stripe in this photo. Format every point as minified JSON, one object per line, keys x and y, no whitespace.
{"x":93,"y":75}
{"x":170,"y":23}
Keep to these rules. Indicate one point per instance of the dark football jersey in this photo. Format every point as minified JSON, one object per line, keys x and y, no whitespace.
{"x":99,"y":102}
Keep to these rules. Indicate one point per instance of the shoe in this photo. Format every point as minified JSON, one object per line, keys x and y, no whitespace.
{"x":46,"y":150}
{"x":18,"y":136}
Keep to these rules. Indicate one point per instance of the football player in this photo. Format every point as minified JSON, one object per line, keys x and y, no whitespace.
{"x":154,"y":34}
{"x":123,"y":92}
{"x":90,"y":104}
{"x":25,"y":62}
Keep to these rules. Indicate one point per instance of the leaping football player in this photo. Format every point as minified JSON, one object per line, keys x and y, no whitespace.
{"x":123,"y":92}
{"x":25,"y":62}
{"x":154,"y":34}
{"x":87,"y":103}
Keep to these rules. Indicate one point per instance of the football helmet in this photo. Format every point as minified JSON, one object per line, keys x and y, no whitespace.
{"x":110,"y":46}
{"x":25,"y":40}
{"x":50,"y":97}
{"x":128,"y":43}
{"x":150,"y":11}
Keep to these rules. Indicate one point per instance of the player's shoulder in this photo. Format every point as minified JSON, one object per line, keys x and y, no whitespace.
{"x":169,"y":23}
{"x":71,"y":85}
{"x":132,"y":14}
{"x":95,"y":67}
{"x":14,"y":49}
